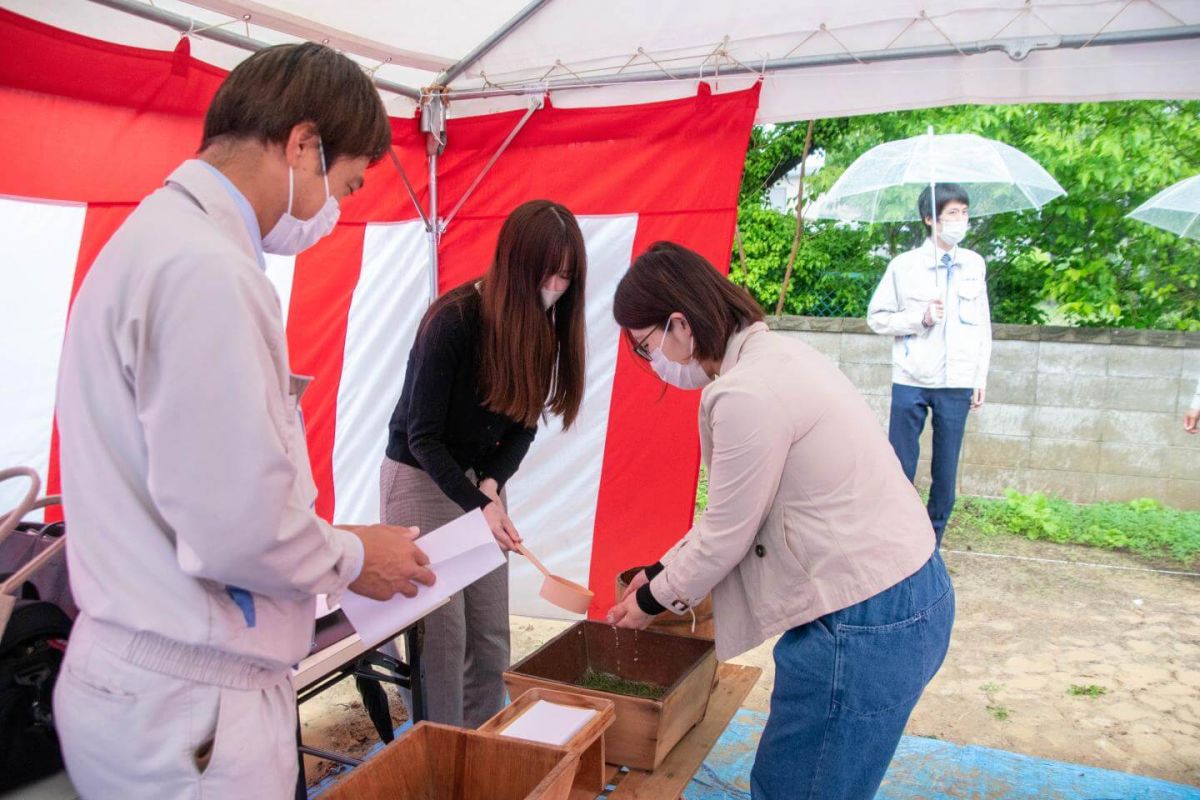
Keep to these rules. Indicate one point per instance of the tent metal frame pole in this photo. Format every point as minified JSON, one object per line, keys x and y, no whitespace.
{"x":183,"y":25}
{"x":533,"y":107}
{"x":435,"y":233}
{"x":488,"y":44}
{"x":1018,"y":48}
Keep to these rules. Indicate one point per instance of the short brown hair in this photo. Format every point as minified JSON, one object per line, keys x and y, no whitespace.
{"x":668,"y":278}
{"x":277,"y":88}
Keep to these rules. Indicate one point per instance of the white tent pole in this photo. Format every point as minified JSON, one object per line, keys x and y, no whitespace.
{"x":433,"y":125}
{"x":1017,"y":48}
{"x":489,"y":43}
{"x":434,"y":232}
{"x":183,"y":24}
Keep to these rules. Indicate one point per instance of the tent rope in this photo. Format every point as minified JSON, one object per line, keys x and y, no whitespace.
{"x":372,"y":70}
{"x":665,"y":71}
{"x":626,"y":65}
{"x":937,"y":28}
{"x":1111,"y":20}
{"x":1027,"y":11}
{"x":1165,"y":11}
{"x":192,"y":29}
{"x":805,"y":41}
{"x":906,"y":29}
{"x":825,"y":28}
{"x":558,"y":63}
{"x":487,"y":82}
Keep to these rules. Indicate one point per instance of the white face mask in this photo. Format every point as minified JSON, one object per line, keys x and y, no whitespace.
{"x":682,"y":376}
{"x":954,"y":231}
{"x":291,"y":235}
{"x":550,"y":297}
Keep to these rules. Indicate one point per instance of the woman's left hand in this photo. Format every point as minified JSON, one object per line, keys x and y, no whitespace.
{"x":628,"y":614}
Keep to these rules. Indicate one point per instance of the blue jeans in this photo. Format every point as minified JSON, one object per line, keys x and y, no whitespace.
{"x":845,"y":685}
{"x":910,"y":406}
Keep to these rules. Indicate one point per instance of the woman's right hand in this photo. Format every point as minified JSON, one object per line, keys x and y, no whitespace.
{"x":638,"y":582}
{"x":502,"y":527}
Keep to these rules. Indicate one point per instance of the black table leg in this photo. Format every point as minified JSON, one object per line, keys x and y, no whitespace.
{"x":301,"y":781}
{"x":414,"y":640}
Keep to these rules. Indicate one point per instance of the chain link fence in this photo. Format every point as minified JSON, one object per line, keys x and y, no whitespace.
{"x":832,"y":294}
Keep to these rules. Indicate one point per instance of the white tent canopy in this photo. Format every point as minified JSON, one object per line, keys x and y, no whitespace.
{"x":822,"y":58}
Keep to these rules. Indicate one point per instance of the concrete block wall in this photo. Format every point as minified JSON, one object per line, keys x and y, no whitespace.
{"x":1085,"y":414}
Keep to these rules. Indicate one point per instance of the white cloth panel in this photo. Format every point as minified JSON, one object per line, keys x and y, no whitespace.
{"x":594,"y":38}
{"x":37,"y":267}
{"x":388,"y":302}
{"x":280,"y":271}
{"x":552,"y":498}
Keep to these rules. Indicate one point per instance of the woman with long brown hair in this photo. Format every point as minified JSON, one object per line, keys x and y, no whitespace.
{"x":490,"y":358}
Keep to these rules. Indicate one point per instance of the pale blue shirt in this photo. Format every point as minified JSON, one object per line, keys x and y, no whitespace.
{"x":244,"y":208}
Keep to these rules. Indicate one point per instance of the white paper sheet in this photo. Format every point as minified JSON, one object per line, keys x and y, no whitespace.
{"x":323,"y":607}
{"x":549,"y":723}
{"x":459,"y":553}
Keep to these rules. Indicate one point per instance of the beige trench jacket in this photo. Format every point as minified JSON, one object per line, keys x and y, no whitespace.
{"x":808,"y":511}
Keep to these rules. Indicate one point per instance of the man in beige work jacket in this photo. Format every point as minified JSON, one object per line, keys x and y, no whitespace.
{"x":194,"y":551}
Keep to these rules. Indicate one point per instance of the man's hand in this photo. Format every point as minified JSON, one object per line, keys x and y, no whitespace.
{"x":935,"y":312}
{"x":392,"y":562}
{"x":1191,"y":421}
{"x":977,"y":398}
{"x":638,"y":582}
{"x":502,"y":527}
{"x":628,"y":614}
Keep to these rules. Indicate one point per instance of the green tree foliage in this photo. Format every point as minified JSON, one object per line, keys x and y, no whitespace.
{"x":1079,"y":258}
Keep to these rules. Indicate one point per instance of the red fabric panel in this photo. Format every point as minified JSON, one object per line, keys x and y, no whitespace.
{"x":100,"y":222}
{"x":321,"y":291}
{"x":99,"y":122}
{"x":677,"y":157}
{"x":652,"y":449}
{"x":37,"y":57}
{"x":94,"y":121}
{"x":678,"y":165}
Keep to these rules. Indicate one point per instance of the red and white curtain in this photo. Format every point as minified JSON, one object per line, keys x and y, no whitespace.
{"x":88,"y":128}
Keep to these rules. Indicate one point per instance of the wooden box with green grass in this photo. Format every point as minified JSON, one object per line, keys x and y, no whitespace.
{"x":659,"y":683}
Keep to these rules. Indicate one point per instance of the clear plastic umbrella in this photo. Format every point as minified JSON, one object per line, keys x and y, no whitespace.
{"x":883,"y":184}
{"x":1176,"y":209}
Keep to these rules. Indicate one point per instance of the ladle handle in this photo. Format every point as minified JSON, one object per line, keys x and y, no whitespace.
{"x":542,"y":567}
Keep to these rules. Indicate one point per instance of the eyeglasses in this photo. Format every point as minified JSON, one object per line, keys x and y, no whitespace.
{"x":640,"y":350}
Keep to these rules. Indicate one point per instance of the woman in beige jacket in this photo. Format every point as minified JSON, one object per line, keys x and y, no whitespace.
{"x":812,"y":531}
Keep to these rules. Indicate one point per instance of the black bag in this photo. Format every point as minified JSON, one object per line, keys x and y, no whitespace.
{"x":31,"y":654}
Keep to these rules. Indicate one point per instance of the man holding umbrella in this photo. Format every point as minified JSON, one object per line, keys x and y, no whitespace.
{"x":933,"y":301}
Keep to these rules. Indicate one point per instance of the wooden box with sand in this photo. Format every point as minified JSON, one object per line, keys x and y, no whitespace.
{"x":659,"y":684}
{"x":438,"y":762}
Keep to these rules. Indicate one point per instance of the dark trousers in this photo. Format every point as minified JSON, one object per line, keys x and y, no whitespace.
{"x":910,"y":407}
